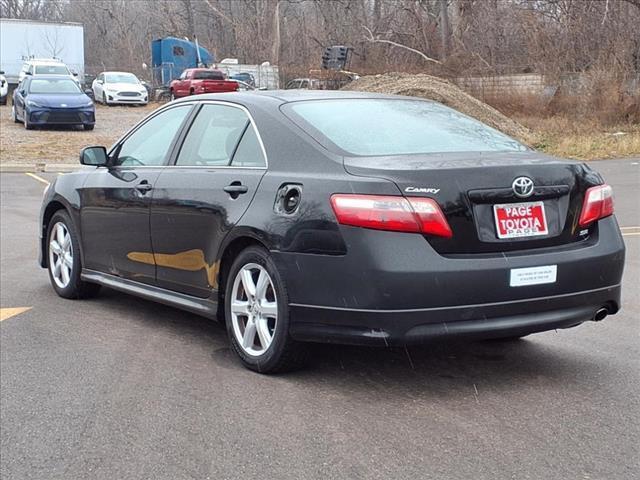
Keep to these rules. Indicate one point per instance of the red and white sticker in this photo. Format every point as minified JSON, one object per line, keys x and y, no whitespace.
{"x":516,"y":220}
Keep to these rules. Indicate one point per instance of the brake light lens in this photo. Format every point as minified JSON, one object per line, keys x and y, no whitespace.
{"x":399,"y":214}
{"x":598,"y":203}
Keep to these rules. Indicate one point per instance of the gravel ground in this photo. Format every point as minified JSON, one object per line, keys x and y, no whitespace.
{"x":63,"y":144}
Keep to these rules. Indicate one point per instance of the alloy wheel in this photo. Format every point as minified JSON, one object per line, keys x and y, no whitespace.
{"x":254,"y":309}
{"x":60,"y":255}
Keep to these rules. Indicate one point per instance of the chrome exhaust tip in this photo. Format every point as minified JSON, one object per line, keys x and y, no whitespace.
{"x":600,"y":314}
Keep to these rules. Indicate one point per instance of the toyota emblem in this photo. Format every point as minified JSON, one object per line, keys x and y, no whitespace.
{"x":522,"y":187}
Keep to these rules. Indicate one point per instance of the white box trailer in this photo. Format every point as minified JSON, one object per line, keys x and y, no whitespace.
{"x":265,"y":74}
{"x":24,"y":39}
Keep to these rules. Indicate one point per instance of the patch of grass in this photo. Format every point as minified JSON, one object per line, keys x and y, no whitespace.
{"x":583,"y":140}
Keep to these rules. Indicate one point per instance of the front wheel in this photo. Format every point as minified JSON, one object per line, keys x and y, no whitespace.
{"x":88,"y":127}
{"x":172,"y":97}
{"x":63,"y":255}
{"x":13,"y":114}
{"x":257,"y":314}
{"x":25,"y":121}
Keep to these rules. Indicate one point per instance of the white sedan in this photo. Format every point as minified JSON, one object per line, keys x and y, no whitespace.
{"x":119,"y":87}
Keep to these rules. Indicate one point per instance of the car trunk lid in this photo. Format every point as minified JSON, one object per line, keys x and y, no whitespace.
{"x":475,"y":190}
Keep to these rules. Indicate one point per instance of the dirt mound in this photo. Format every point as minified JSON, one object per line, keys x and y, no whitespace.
{"x":434,"y":88}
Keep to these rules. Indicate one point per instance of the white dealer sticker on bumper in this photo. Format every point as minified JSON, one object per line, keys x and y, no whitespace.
{"x":521,"y":277}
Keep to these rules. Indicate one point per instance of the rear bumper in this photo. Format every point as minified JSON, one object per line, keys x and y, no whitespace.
{"x":395,"y":289}
{"x":403,"y":327}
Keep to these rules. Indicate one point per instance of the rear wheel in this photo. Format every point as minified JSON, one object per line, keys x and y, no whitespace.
{"x":88,"y":127}
{"x":63,"y":254}
{"x":257,"y":314}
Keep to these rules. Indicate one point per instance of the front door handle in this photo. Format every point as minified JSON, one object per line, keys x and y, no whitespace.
{"x":235,"y":189}
{"x":143,"y":187}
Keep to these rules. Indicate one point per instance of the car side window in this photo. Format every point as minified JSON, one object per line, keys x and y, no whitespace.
{"x":213,"y":136}
{"x":149,"y":144}
{"x":249,"y":152}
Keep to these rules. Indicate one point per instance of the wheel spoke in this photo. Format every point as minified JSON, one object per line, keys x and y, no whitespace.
{"x":65,"y":273}
{"x":55,"y":247}
{"x":262,"y":285}
{"x":240,"y":307}
{"x":60,"y":233}
{"x":249,"y":335}
{"x":263,"y":332}
{"x":269,"y":309}
{"x":66,"y":241}
{"x":68,"y":261}
{"x":247,"y":283}
{"x":57,"y":267}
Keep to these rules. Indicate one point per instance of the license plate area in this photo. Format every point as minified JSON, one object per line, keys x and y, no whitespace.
{"x":520,"y":220}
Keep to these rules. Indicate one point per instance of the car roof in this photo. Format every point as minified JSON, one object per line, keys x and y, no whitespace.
{"x":264,"y":97}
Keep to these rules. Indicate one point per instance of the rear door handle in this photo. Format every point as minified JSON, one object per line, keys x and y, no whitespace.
{"x":144,"y":187}
{"x":236,"y":188}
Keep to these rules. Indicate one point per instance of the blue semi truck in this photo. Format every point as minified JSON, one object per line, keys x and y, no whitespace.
{"x":170,"y":56}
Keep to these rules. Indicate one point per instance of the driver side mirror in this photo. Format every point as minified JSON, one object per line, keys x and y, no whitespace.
{"x":94,"y":156}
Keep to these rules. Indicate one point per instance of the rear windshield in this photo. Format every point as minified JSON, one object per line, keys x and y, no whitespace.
{"x":51,"y":70}
{"x":371,"y":127}
{"x":65,"y":85}
{"x":208,"y":76}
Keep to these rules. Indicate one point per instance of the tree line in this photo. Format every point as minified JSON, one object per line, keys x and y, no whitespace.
{"x":443,"y":37}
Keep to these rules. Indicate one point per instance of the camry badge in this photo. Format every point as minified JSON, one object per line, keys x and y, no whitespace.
{"x":522,"y":187}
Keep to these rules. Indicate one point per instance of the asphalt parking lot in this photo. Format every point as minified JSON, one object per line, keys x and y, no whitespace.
{"x":121,"y":388}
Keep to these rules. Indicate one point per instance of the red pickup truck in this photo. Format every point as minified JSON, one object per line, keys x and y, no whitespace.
{"x":201,"y":80}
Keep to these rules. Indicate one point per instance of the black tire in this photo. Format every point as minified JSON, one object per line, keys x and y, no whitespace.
{"x":284,"y":353}
{"x":76,"y":288}
{"x":104,"y":98}
{"x":26,"y":123}
{"x":15,"y":116}
{"x":89,"y":127}
{"x":172,"y":96}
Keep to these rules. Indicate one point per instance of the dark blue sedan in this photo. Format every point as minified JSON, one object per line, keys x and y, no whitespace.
{"x":49,"y":100}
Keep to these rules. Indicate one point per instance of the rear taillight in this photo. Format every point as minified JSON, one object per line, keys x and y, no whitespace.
{"x":400,"y":214}
{"x":598,"y":203}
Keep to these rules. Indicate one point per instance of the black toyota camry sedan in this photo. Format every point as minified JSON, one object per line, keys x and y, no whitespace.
{"x":352,"y":218}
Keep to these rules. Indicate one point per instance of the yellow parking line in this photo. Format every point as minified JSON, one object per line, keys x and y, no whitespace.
{"x":36,"y":177}
{"x":624,"y":229}
{"x":630,"y":234}
{"x":6,"y":313}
